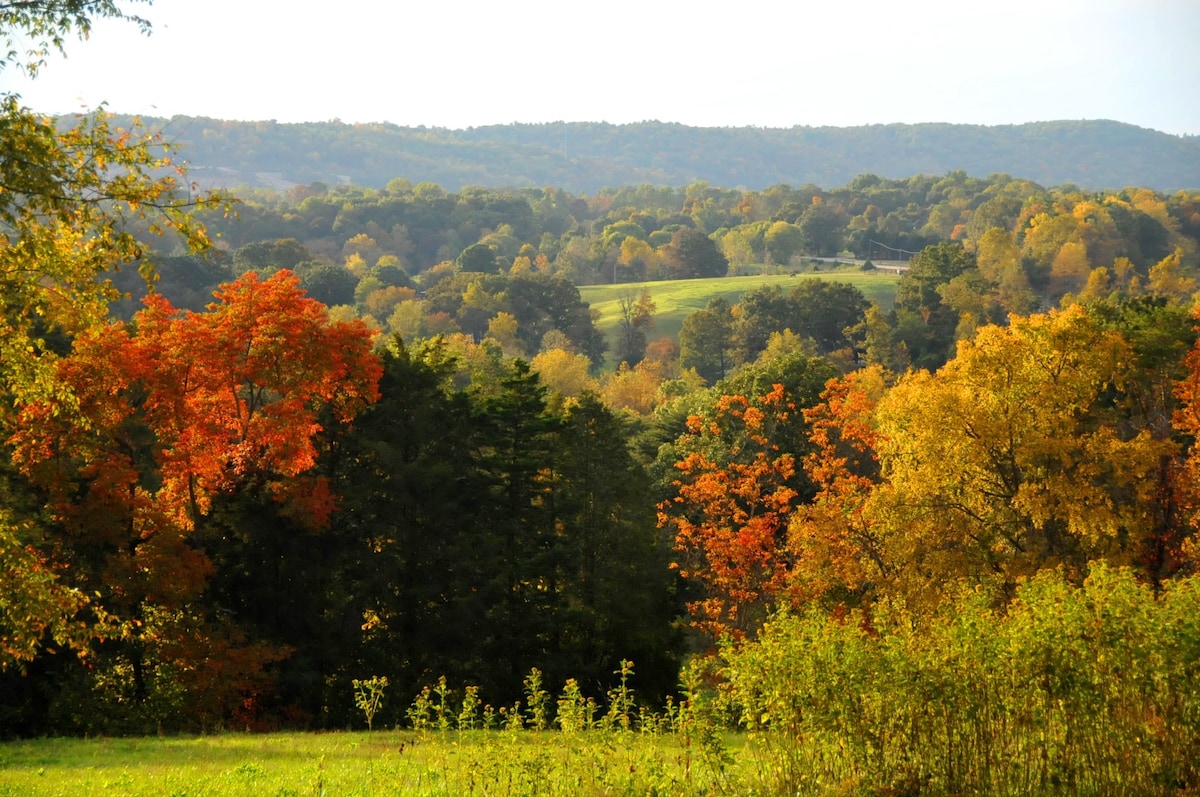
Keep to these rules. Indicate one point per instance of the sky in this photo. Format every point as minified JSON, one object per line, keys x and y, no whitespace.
{"x":468,"y":63}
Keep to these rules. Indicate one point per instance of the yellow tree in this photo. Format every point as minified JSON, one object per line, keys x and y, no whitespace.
{"x":634,"y":390}
{"x":1046,"y":234}
{"x":1098,"y":286}
{"x":999,"y":261}
{"x":1012,"y":457}
{"x":365,"y":247}
{"x":564,"y":373}
{"x":406,"y":319}
{"x":503,"y":328}
{"x":638,"y":259}
{"x":1097,"y":231}
{"x":735,"y":245}
{"x":1070,"y":269}
{"x":1168,"y":279}
{"x":382,"y":303}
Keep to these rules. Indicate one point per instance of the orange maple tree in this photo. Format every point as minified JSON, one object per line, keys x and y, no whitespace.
{"x":166,"y":413}
{"x":835,"y":545}
{"x":730,"y":511}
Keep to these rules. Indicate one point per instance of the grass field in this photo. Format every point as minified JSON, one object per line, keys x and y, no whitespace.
{"x":677,"y":299}
{"x":382,"y":763}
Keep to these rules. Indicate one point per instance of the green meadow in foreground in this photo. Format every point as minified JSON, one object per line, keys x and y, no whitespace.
{"x":383,"y":762}
{"x":1078,"y":690}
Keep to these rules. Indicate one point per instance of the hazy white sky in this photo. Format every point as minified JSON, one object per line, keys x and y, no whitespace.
{"x":464,"y":63}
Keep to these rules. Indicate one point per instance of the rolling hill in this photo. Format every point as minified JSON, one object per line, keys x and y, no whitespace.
{"x":584,"y":157}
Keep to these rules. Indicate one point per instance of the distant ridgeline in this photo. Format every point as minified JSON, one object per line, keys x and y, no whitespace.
{"x":585,"y":157}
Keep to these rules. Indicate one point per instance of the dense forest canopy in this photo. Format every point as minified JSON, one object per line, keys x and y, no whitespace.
{"x":418,"y":260}
{"x":252,"y":458}
{"x":585,"y":157}
{"x":407,"y":382}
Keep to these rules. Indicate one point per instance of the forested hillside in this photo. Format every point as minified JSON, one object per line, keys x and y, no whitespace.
{"x":387,"y":445}
{"x":419,"y":260}
{"x":585,"y":157}
{"x":257,"y":451}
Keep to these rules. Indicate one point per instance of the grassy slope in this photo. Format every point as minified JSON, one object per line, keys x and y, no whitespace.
{"x":677,"y":299}
{"x":386,"y":762}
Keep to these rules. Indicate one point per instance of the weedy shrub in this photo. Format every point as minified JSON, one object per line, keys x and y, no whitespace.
{"x":468,"y":715}
{"x":420,"y":713}
{"x":434,"y":708}
{"x":1068,"y":690}
{"x":620,"y":699}
{"x":680,"y":751}
{"x":537,"y":701}
{"x":575,"y":712}
{"x":512,"y":718}
{"x":368,"y":696}
{"x":443,"y":711}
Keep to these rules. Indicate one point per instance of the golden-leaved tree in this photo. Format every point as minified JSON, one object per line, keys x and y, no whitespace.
{"x":1013,"y":457}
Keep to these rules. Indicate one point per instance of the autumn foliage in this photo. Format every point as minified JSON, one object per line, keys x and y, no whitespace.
{"x":183,"y":500}
{"x":835,"y":542}
{"x":730,"y":511}
{"x":212,"y":399}
{"x":1186,"y":487}
{"x":1016,"y":456}
{"x":1039,"y":446}
{"x":162,"y":416}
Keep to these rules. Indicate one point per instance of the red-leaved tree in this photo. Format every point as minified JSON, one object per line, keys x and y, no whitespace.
{"x":730,"y":512}
{"x":162,"y":416}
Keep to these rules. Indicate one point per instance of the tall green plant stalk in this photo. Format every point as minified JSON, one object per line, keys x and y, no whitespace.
{"x":368,"y":697}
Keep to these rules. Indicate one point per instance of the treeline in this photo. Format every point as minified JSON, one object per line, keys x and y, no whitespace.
{"x":248,"y":508}
{"x":587,"y":157}
{"x":970,"y":578}
{"x":380,"y":254}
{"x":1057,"y":440}
{"x":236,"y":511}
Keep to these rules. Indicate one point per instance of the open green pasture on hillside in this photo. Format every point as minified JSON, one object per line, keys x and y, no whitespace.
{"x":490,"y":763}
{"x":675,"y":300}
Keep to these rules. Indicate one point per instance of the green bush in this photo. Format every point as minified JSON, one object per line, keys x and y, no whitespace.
{"x":1066,"y":690}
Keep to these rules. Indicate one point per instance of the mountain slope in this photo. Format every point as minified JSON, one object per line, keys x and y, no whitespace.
{"x":581,"y":156}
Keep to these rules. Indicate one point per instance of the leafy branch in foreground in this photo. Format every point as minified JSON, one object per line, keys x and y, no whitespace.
{"x":75,"y":204}
{"x":45,"y":25}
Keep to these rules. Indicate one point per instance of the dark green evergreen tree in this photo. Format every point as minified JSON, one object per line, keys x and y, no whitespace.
{"x":405,"y":601}
{"x":617,"y":597}
{"x":517,"y":534}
